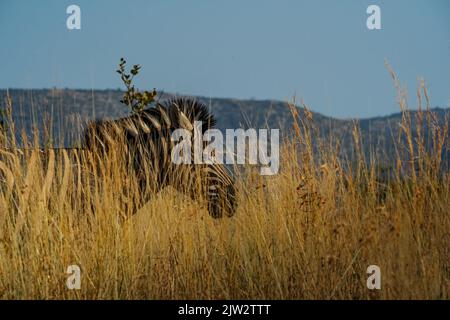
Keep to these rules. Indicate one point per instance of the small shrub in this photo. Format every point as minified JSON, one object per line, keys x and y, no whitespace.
{"x":133,"y":98}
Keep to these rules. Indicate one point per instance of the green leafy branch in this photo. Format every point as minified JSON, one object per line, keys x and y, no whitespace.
{"x":133,"y":98}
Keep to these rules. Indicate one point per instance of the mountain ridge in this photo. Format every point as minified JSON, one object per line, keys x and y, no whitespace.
{"x":68,"y":110}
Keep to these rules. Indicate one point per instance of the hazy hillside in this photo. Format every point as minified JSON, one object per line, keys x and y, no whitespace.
{"x":67,"y":110}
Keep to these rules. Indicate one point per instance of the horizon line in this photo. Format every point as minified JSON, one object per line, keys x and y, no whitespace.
{"x":222,"y":98}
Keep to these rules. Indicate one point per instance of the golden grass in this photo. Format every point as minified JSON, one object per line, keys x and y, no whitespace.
{"x":309,"y":232}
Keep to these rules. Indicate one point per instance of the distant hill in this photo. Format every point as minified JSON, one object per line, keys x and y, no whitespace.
{"x":67,"y":110}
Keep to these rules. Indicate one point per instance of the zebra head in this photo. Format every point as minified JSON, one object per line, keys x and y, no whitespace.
{"x":148,"y":140}
{"x":216,"y":179}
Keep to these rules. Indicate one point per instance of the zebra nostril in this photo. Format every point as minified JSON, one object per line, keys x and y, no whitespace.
{"x":215,"y":211}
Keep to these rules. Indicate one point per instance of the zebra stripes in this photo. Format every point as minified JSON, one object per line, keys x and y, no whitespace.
{"x":147,"y":139}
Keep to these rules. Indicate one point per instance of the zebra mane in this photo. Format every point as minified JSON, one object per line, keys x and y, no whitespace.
{"x":173,"y":113}
{"x":193,"y":109}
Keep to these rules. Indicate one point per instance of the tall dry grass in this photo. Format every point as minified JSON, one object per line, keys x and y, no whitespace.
{"x":309,"y":232}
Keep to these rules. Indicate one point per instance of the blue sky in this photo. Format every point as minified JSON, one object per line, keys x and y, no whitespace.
{"x":321,"y":51}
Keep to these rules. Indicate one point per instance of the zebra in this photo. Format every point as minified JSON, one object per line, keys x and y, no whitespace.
{"x":147,"y":139}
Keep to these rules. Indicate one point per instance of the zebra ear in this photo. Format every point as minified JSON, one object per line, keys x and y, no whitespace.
{"x":154,"y":122}
{"x":131,"y":129}
{"x":144,"y":126}
{"x":184,"y":122}
{"x":164,"y":116}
